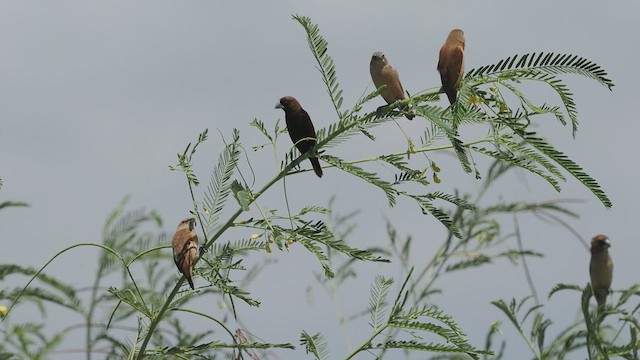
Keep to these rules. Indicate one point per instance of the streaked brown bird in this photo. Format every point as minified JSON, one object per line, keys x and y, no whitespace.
{"x":600,"y":269}
{"x":185,"y":248}
{"x":300,"y":128}
{"x":451,"y":64}
{"x":382,"y":73}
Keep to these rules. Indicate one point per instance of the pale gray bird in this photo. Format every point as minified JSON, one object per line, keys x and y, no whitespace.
{"x":185,"y":248}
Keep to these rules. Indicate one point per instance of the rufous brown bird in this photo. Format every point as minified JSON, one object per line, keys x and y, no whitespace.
{"x":600,"y":269}
{"x":185,"y":248}
{"x":382,"y":73}
{"x":300,"y":128}
{"x":451,"y":64}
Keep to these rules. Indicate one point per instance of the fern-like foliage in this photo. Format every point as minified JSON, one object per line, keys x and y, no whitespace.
{"x":411,"y":320}
{"x":568,"y":164}
{"x":6,"y":204}
{"x":316,"y":238}
{"x":369,"y":177}
{"x":352,"y":125}
{"x":129,"y":297}
{"x":461,"y":203}
{"x":588,"y":334}
{"x":427,"y":207}
{"x":441,"y":120}
{"x":431,"y":134}
{"x":542,"y":67}
{"x":184,"y":159}
{"x":551,"y":63}
{"x":55,"y":292}
{"x":450,"y":331}
{"x":231,"y":249}
{"x":315,"y":345}
{"x":209,"y":348}
{"x":378,"y":301}
{"x":363,"y":100}
{"x":508,"y":158}
{"x":262,"y":128}
{"x":219,"y":185}
{"x":318,"y":46}
{"x":120,"y":228}
{"x":30,"y":341}
{"x":531,"y":156}
{"x":562,"y":287}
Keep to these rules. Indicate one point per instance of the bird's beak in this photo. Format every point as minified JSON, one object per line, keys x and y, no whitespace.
{"x":192,"y":223}
{"x":279,"y":106}
{"x":607,"y":243}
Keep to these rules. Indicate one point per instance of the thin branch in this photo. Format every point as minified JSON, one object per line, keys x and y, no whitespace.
{"x":525,"y":267}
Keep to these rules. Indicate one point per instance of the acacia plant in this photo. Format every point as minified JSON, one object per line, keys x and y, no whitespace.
{"x":490,"y":97}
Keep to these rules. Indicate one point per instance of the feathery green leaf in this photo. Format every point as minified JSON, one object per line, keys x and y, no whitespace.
{"x":318,"y":46}
{"x":219,"y":185}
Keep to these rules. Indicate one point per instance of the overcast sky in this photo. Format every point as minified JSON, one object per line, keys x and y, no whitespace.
{"x":96,"y":99}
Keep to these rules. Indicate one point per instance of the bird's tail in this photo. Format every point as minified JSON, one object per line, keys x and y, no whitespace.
{"x":188,"y":276}
{"x":407,"y":114}
{"x":452,"y":96}
{"x":316,"y":166}
{"x":601,"y":298}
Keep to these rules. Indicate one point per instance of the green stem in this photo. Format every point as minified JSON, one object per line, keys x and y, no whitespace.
{"x":156,"y":320}
{"x":212,"y":319}
{"x":367,"y":344}
{"x":89,"y":316}
{"x":420,"y":150}
{"x":333,"y":292}
{"x":528,"y":341}
{"x":264,"y":216}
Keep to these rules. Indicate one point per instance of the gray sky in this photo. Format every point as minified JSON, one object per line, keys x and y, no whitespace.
{"x":96,"y":99}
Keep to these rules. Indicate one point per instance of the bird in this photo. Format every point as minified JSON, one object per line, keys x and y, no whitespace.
{"x":300,"y":128}
{"x":185,"y":248}
{"x":600,"y":269}
{"x":384,"y":74}
{"x":451,"y":64}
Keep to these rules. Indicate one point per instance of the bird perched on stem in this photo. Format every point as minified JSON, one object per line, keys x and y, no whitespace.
{"x":600,"y":269}
{"x":451,"y":64}
{"x":300,"y":128}
{"x":382,"y":73}
{"x":185,"y":248}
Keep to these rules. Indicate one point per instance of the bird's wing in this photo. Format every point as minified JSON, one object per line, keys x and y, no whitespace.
{"x":394,"y":89}
{"x":451,"y":66}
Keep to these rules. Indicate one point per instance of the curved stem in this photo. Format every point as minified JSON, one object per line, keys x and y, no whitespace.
{"x":15,"y":301}
{"x":210,"y":318}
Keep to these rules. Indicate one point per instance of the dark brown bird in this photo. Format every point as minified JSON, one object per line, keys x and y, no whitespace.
{"x":451,"y":64}
{"x":384,"y":74}
{"x":600,"y":269}
{"x":185,"y":248}
{"x":300,"y":128}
